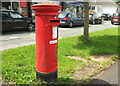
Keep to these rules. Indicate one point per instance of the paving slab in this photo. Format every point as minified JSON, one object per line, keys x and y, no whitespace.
{"x":110,"y":76}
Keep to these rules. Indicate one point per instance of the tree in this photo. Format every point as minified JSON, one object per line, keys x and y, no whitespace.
{"x":86,"y":20}
{"x":29,"y":8}
{"x":62,"y":4}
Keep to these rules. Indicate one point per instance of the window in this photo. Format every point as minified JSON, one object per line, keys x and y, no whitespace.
{"x":5,"y":15}
{"x":15,"y":15}
{"x":93,"y":8}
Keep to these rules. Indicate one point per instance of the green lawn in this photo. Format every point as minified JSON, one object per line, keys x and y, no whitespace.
{"x":18,"y":65}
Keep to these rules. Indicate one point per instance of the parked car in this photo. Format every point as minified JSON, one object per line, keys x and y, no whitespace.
{"x":94,"y":19}
{"x":115,"y":18}
{"x":106,"y":16}
{"x":70,"y":19}
{"x":15,"y":21}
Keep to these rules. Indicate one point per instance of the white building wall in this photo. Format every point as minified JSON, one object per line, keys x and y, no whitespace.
{"x":108,"y":9}
{"x":105,"y":9}
{"x":46,"y":1}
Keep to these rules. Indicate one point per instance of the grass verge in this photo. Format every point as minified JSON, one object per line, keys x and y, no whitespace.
{"x":18,"y":65}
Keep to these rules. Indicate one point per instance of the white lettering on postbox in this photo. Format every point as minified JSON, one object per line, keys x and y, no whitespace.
{"x":53,"y":42}
{"x":54,"y":36}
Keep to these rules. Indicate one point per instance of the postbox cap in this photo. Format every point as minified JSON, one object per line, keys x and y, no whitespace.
{"x":46,"y":7}
{"x":44,"y":4}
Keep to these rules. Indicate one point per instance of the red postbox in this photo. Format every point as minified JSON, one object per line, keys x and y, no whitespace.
{"x":46,"y":29}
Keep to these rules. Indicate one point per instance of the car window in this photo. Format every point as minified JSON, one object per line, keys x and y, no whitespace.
{"x":79,"y":15}
{"x":15,"y":15}
{"x":5,"y":15}
{"x":90,"y":15}
{"x":108,"y":15}
{"x":104,"y":14}
{"x":74,"y":15}
{"x":116,"y":15}
{"x":62,"y":14}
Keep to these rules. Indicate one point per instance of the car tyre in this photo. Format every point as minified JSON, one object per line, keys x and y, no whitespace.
{"x":100,"y":22}
{"x":112,"y":23}
{"x":31,"y":27}
{"x":71,"y":24}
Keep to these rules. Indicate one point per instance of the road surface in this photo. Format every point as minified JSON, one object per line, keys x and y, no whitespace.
{"x":23,"y":38}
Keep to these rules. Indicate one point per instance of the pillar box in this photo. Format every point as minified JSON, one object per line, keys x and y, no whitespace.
{"x":46,"y":29}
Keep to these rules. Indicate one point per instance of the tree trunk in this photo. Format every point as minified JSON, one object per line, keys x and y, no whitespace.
{"x":77,"y":9}
{"x":86,"y":20}
{"x":29,"y":8}
{"x":62,"y":4}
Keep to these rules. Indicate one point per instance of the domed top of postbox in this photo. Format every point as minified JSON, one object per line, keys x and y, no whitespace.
{"x":46,"y":7}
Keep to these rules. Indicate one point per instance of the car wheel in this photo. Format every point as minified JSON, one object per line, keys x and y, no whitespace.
{"x":93,"y":22}
{"x":112,"y":23}
{"x":31,"y":27}
{"x":100,"y":22}
{"x":71,"y":24}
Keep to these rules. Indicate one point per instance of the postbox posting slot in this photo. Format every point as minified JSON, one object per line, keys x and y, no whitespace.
{"x":54,"y":21}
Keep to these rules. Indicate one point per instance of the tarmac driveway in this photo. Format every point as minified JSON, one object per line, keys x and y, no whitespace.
{"x":24,"y":38}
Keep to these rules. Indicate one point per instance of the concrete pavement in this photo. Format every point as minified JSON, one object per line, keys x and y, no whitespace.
{"x":111,"y":76}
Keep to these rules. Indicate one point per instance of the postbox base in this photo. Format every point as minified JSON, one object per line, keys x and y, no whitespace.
{"x":49,"y":77}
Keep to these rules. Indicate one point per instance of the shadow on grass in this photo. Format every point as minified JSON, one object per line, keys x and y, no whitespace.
{"x":98,"y":44}
{"x":68,"y":82}
{"x":93,"y":82}
{"x":71,"y":82}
